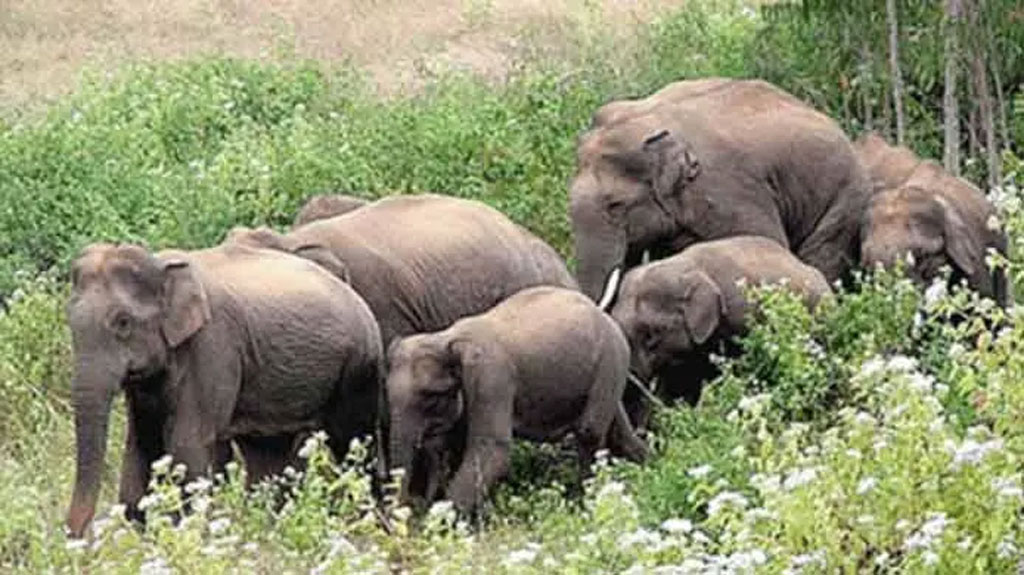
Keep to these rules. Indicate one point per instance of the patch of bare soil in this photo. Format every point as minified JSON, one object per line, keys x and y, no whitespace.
{"x":44,"y":44}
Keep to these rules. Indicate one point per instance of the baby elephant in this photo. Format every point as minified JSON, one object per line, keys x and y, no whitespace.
{"x":542,"y":363}
{"x":675,"y":309}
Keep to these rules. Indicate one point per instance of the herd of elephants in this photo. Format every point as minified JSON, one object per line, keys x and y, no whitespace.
{"x":443,"y":329}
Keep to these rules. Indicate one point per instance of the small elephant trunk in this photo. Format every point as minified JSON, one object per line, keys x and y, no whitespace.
{"x":92,"y":417}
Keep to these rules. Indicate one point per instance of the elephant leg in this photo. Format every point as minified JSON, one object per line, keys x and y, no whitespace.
{"x":134,"y":474}
{"x":352,"y":412}
{"x":265,"y":457}
{"x":637,"y":406}
{"x":486,"y":460}
{"x":623,"y":441}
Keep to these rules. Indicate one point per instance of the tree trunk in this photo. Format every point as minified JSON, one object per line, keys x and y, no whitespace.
{"x":997,"y":79}
{"x":867,"y":85}
{"x":951,"y":112}
{"x":979,"y":76}
{"x":894,"y":67}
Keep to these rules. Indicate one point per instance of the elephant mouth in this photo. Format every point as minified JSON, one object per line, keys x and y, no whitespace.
{"x":141,"y":376}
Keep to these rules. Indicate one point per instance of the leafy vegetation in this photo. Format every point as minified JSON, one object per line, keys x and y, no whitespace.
{"x":885,"y":432}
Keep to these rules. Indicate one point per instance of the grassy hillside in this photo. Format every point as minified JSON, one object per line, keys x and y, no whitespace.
{"x":874,"y":436}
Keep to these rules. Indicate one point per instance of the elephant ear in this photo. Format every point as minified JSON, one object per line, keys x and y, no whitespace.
{"x":673,"y":165}
{"x":186,"y":308}
{"x":703,"y":305}
{"x":323,"y":257}
{"x":963,"y":244}
{"x":488,"y":390}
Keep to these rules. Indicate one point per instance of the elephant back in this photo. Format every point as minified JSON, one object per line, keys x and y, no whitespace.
{"x":424,"y":261}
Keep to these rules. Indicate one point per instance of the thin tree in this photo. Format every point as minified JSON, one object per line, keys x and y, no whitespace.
{"x":894,"y":67}
{"x":983,"y":93}
{"x":950,"y":108}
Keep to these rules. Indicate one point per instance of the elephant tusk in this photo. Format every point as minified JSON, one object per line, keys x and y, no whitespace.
{"x":611,"y":289}
{"x":632,"y":378}
{"x":645,"y":258}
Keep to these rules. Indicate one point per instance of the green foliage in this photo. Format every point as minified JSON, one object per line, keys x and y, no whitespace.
{"x":882,"y":432}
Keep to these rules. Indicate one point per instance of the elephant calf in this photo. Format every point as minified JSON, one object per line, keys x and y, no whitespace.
{"x":228,"y":343}
{"x":675,"y":309}
{"x":544,"y":362}
{"x":920,"y":209}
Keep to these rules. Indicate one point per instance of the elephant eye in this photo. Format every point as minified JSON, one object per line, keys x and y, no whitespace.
{"x":121,"y":324}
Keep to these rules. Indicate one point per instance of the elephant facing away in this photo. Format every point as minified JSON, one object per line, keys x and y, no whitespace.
{"x":675,"y":311}
{"x":713,"y":158}
{"x":543,"y":363}
{"x":323,"y":206}
{"x":422,"y":261}
{"x":936,"y":218}
{"x":224,"y":344}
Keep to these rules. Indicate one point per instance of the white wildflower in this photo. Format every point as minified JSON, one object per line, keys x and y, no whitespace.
{"x":312,"y":443}
{"x":853,"y":453}
{"x":928,"y":533}
{"x":760,"y":513}
{"x":75,"y":544}
{"x":639,"y":537}
{"x":677,"y":525}
{"x":935,"y":292}
{"x":799,"y":478}
{"x":747,"y":560}
{"x":902,"y":525}
{"x":589,"y":539}
{"x":726,"y":499}
{"x":920,"y":382}
{"x":806,"y":559}
{"x":1006,"y":549}
{"x":866,"y":485}
{"x":217,"y":526}
{"x":162,"y":465}
{"x":971,"y":452}
{"x":956,"y":350}
{"x":865,"y":520}
{"x":1007,"y":488}
{"x":521,"y":556}
{"x":901,"y":363}
{"x":863,"y":418}
{"x":754,"y":402}
{"x":872,"y":367}
{"x":198,"y":485}
{"x":699,"y":472}
{"x":155,"y":566}
{"x":148,"y":500}
{"x":965,"y":544}
{"x":611,"y":490}
{"x":882,"y":559}
{"x":930,"y":558}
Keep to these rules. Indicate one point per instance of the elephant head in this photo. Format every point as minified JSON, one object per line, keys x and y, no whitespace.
{"x":665,"y":314}
{"x":888,"y":166}
{"x":625,"y":196}
{"x":325,"y":206}
{"x":425,"y":396}
{"x":128,"y":309}
{"x":911,"y":221}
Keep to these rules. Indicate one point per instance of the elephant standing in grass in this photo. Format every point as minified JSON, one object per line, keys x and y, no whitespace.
{"x":228,"y":343}
{"x":422,"y":262}
{"x":677,"y":310}
{"x":325,"y":206}
{"x":713,"y":158}
{"x":544,"y":362}
{"x":922,"y":211}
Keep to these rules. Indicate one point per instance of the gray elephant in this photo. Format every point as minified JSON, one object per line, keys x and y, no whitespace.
{"x":676,"y":310}
{"x":224,"y":344}
{"x":707,"y":159}
{"x":935,"y":217}
{"x":888,"y":166}
{"x":323,"y":206}
{"x":421,"y":262}
{"x":544,"y":362}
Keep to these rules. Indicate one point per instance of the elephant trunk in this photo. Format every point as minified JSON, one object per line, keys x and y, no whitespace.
{"x":403,"y":453}
{"x":599,"y":250}
{"x":92,"y":396}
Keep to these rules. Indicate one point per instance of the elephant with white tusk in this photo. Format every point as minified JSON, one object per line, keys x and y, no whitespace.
{"x":677,"y":310}
{"x":708,"y":159}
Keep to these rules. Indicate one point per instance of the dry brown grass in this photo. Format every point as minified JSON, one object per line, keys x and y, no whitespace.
{"x":44,"y":44}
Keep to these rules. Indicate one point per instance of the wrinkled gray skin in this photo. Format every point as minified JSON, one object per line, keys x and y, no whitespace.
{"x":676,"y":310}
{"x":421,"y":262}
{"x":325,"y":206}
{"x":706,"y":159}
{"x":209,"y":346}
{"x":920,"y":209}
{"x":543,"y":363}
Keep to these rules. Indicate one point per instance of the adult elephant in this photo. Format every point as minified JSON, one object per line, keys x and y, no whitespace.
{"x":325,"y":206}
{"x":225,"y":344}
{"x":423,"y":261}
{"x":920,"y":209}
{"x":712,"y":158}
